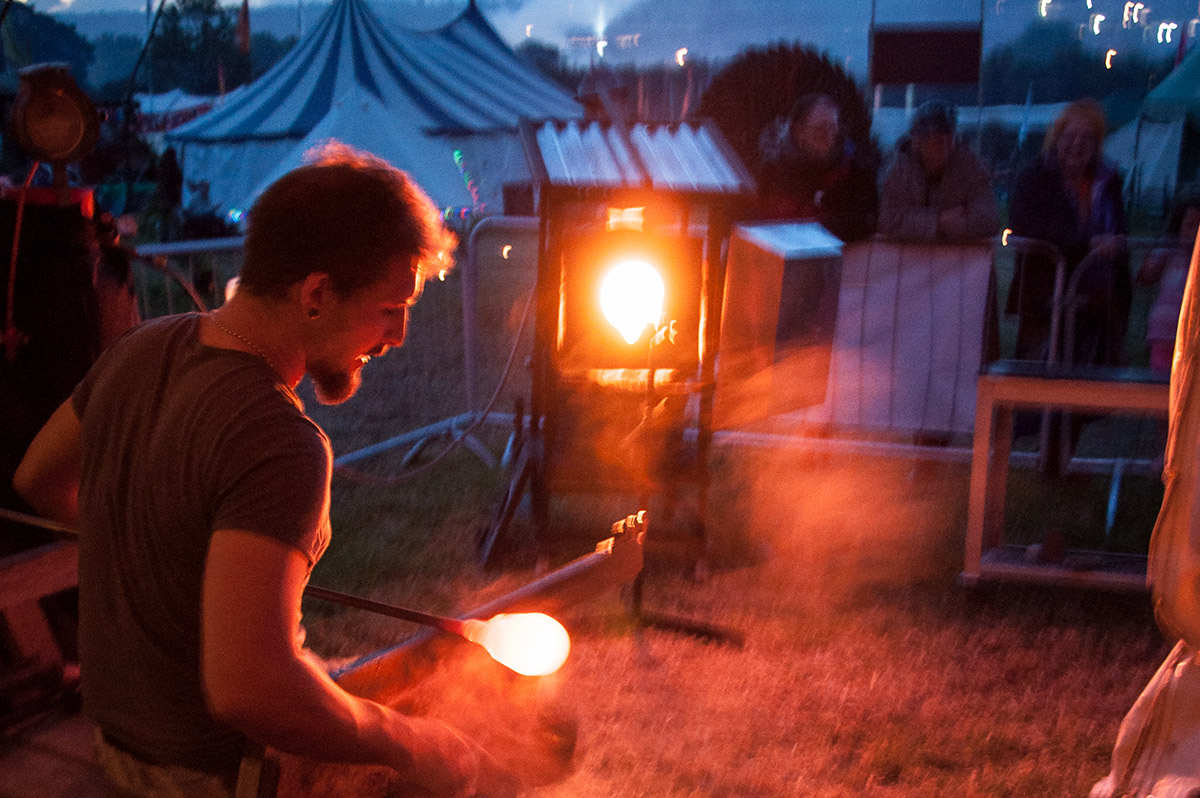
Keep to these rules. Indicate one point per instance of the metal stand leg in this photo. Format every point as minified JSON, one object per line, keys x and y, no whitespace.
{"x":674,"y":623}
{"x":454,"y":433}
{"x":522,"y":471}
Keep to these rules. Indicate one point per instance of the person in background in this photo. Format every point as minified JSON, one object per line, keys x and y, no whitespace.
{"x":1071,"y":197}
{"x":168,"y":196}
{"x":1167,"y":267}
{"x":114,"y":282}
{"x":936,"y":188}
{"x":810,"y":170}
{"x":200,"y":490}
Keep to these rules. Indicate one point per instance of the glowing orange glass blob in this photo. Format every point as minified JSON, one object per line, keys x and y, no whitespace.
{"x":529,"y":643}
{"x":631,"y":297}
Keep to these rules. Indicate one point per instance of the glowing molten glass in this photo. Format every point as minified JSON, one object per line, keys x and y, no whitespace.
{"x":631,"y":297}
{"x":529,"y":643}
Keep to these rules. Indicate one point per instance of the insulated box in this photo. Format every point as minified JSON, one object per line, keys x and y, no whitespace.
{"x":781,"y":295}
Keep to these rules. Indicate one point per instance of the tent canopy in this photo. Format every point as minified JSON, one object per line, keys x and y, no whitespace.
{"x":461,"y":78}
{"x":1179,"y":90}
{"x":1148,"y":152}
{"x":171,"y":101}
{"x":358,"y":119}
{"x":1151,"y":147}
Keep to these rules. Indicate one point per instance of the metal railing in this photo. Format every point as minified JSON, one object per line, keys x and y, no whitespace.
{"x":181,"y":275}
{"x":196,"y":269}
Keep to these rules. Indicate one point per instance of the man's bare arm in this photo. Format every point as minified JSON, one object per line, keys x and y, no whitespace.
{"x":48,"y":477}
{"x":257,"y":678}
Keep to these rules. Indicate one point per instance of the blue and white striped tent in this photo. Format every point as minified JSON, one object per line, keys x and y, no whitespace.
{"x":359,"y":120}
{"x":444,"y":85}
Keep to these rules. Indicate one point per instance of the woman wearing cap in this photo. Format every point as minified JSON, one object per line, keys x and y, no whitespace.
{"x":935,"y":188}
{"x":1071,"y":197}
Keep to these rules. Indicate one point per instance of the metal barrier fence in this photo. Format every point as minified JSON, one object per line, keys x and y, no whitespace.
{"x":185,"y":275}
{"x":497,"y":272}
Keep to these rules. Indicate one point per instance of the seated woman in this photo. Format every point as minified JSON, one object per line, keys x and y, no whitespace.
{"x":935,"y":188}
{"x":1071,"y":198}
{"x":811,"y":171}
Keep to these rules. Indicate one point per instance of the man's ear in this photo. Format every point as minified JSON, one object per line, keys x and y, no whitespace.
{"x":315,"y":293}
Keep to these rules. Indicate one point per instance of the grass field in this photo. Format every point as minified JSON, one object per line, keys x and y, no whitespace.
{"x":866,"y":669}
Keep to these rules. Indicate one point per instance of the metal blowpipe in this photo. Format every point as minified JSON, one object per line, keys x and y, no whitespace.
{"x":532,"y":644}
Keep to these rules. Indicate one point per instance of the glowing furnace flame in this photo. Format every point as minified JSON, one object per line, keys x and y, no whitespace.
{"x":631,"y":297}
{"x":529,"y":643}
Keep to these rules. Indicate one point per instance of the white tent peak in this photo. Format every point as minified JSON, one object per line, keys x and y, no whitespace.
{"x":460,"y":79}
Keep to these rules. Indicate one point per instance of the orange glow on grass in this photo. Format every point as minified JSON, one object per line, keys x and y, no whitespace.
{"x":530,"y":643}
{"x":631,"y":298}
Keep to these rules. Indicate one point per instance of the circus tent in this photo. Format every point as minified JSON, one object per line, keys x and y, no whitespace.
{"x":436,"y":89}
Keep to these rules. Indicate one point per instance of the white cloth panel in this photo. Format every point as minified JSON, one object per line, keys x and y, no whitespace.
{"x":908,"y":342}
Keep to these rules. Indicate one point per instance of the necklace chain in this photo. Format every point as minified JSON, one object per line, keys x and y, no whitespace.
{"x":212,"y":316}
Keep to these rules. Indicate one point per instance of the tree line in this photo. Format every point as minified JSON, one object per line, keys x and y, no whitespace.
{"x":195,"y":49}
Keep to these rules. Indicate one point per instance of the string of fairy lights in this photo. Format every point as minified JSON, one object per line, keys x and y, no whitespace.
{"x":472,"y":188}
{"x":1124,"y":24}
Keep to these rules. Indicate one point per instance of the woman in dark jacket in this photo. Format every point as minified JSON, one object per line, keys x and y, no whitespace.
{"x":810,"y":171}
{"x":1071,"y":198}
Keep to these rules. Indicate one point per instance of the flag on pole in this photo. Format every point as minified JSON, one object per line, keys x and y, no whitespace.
{"x":243,"y":28}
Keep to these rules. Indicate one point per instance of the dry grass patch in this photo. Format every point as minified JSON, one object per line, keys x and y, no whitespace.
{"x":866,"y":671}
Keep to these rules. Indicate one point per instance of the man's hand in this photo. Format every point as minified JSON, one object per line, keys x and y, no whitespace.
{"x":259,"y":680}
{"x":454,"y":765}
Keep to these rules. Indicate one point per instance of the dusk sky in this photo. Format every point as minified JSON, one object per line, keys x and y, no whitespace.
{"x":839,"y":26}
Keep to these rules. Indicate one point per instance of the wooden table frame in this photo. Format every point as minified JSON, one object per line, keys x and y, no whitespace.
{"x":997,"y":396}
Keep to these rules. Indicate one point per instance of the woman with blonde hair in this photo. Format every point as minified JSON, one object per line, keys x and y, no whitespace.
{"x":1071,"y":197}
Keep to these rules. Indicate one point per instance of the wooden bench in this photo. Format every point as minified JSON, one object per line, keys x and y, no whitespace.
{"x":1007,"y":385}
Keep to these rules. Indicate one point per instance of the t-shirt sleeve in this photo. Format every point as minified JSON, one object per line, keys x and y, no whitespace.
{"x":79,"y":396}
{"x":83,"y":391}
{"x":276,"y":483}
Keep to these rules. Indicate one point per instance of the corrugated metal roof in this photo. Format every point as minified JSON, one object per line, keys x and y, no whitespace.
{"x":686,"y":157}
{"x":459,"y":77}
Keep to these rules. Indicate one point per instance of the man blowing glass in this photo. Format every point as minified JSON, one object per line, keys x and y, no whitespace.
{"x":200,"y":490}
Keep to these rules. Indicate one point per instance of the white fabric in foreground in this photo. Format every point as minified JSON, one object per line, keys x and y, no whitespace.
{"x":1158,"y":746}
{"x":1157,"y":752}
{"x":1174,"y":568}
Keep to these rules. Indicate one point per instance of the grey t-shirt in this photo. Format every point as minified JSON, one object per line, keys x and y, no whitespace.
{"x":179,"y":440}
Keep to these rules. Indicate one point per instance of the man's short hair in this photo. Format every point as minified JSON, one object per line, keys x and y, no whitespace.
{"x":932,"y":118}
{"x":347,"y":214}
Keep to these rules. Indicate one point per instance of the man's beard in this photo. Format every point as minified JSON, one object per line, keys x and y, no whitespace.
{"x":334,"y":386}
